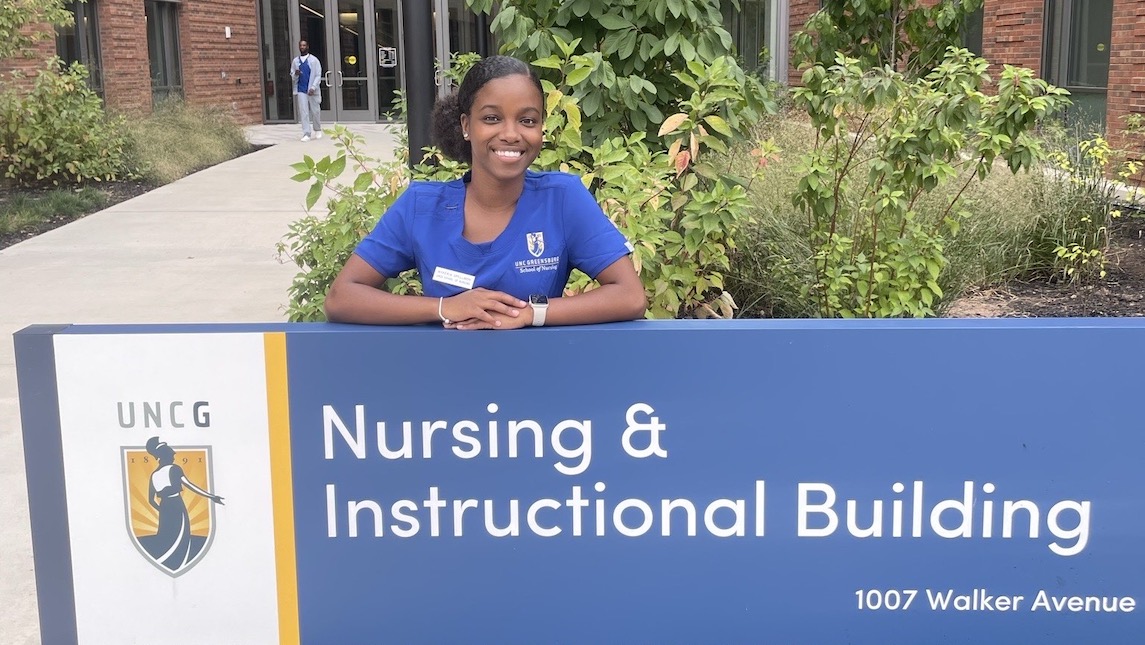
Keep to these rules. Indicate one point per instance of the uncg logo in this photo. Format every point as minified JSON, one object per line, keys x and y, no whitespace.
{"x":536,"y":243}
{"x":169,"y":503}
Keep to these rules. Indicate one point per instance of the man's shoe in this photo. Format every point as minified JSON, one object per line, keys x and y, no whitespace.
{"x":306,"y":137}
{"x":318,"y":134}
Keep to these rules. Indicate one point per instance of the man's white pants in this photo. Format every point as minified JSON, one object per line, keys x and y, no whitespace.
{"x":310,"y":112}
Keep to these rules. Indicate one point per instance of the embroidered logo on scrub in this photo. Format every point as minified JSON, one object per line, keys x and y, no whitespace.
{"x":536,"y":243}
{"x":170,"y":506}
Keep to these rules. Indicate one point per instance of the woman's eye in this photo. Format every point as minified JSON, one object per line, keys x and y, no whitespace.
{"x":491,"y":119}
{"x":529,"y":121}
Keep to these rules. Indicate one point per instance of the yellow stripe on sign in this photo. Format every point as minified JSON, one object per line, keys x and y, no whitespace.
{"x":282,"y":486}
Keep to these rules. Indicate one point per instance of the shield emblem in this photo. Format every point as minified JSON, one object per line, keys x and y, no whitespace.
{"x":536,"y":243}
{"x":170,"y":515}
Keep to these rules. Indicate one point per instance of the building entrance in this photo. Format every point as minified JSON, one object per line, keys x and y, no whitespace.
{"x":360,"y":44}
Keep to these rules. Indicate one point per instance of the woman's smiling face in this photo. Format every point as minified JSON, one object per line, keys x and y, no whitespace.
{"x":505,"y":127}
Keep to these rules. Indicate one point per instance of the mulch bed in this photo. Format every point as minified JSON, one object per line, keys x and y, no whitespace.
{"x":1120,"y":294}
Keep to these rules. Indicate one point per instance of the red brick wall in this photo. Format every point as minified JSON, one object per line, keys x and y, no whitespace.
{"x":29,"y":65}
{"x":798,"y":13}
{"x":1127,"y":74}
{"x":207,"y":53}
{"x":123,"y":50}
{"x":1012,"y":33}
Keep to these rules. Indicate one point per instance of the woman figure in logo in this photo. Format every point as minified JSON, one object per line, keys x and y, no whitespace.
{"x":173,"y":546}
{"x":495,"y":248}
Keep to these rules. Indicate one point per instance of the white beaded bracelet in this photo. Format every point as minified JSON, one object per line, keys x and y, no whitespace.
{"x":444,"y":320}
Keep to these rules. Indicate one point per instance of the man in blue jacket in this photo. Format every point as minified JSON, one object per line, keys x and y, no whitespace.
{"x":306,"y":72}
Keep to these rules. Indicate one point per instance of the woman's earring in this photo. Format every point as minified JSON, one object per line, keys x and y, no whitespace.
{"x":465,"y":135}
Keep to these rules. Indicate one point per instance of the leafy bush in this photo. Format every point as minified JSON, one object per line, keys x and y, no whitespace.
{"x":59,"y":131}
{"x":879,"y":196}
{"x":23,"y":22}
{"x":905,"y":35}
{"x":627,"y":55}
{"x":177,"y":139}
{"x":883,"y":142}
{"x":321,"y":245}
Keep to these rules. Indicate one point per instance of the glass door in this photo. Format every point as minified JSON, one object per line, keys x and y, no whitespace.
{"x":388,"y":36}
{"x":340,"y":34}
{"x":456,"y":31}
{"x":354,"y":67}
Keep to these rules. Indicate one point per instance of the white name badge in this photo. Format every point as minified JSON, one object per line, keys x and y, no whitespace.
{"x":455,"y":278}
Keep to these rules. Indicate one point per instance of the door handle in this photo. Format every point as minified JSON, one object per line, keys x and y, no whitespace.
{"x":339,"y":79}
{"x":326,"y":77}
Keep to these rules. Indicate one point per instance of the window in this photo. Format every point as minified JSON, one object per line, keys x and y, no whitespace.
{"x":163,"y":50}
{"x":972,"y":32}
{"x":79,"y":42}
{"x":754,"y":30}
{"x":1077,"y":55}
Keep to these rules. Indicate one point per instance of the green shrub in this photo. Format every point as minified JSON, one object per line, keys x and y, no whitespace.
{"x":882,"y":143}
{"x":177,"y":139}
{"x":24,"y":22}
{"x":628,"y":54}
{"x":896,"y":202}
{"x":320,"y":245}
{"x":59,"y":131}
{"x":905,"y":35}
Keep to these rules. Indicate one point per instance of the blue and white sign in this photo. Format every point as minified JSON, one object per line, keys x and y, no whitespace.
{"x":677,"y":482}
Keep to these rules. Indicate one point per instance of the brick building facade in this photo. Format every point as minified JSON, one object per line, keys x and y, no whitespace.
{"x":1127,"y":73}
{"x":213,"y":69}
{"x":1048,"y":36}
{"x":216,"y":52}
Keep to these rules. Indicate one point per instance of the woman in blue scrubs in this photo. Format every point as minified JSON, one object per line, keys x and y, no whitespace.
{"x":495,"y":248}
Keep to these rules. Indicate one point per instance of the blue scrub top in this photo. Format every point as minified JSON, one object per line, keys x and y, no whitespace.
{"x":556,"y":227}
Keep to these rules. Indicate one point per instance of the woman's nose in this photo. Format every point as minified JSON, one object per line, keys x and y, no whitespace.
{"x":509,"y":132}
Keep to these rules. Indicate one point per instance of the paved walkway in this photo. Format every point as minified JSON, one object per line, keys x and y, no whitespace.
{"x":198,"y":250}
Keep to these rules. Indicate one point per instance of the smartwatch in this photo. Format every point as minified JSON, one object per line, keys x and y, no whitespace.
{"x":540,"y":304}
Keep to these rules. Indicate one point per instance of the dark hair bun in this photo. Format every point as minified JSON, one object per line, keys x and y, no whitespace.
{"x":447,"y":129}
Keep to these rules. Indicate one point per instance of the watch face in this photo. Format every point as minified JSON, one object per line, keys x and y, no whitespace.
{"x":538,"y":299}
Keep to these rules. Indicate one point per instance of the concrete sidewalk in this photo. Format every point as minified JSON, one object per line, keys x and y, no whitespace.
{"x":201,"y":249}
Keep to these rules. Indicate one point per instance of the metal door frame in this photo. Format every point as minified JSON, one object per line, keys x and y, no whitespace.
{"x":333,"y":112}
{"x":399,"y":41}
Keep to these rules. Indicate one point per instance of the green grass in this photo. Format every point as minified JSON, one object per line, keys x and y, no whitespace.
{"x":34,"y":210}
{"x":177,"y":140}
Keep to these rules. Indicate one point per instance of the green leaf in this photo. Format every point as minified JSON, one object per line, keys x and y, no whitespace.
{"x":687,"y":49}
{"x":614,"y":22}
{"x":578,"y":76}
{"x":313,"y":195}
{"x":552,"y":62}
{"x":718,"y":124}
{"x":375,"y":207}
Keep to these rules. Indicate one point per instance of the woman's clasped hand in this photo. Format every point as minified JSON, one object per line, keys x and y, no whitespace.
{"x":483,"y":309}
